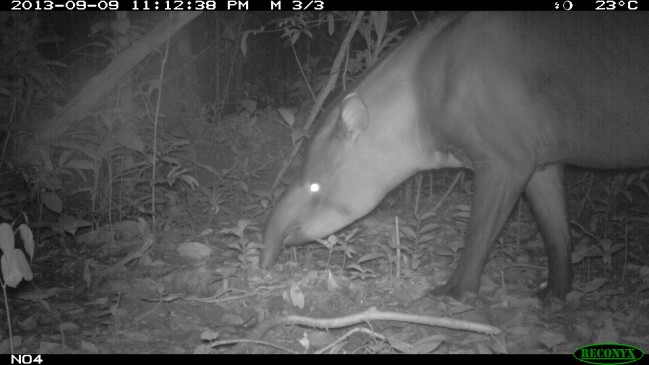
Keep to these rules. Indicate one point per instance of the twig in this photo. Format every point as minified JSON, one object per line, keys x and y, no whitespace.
{"x":449,"y":190}
{"x":371,"y":314}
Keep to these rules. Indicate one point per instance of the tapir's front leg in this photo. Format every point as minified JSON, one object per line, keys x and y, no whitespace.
{"x":497,"y":188}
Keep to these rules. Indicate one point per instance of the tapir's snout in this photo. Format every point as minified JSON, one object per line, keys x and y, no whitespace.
{"x":296,"y":220}
{"x":280,"y":230}
{"x":299,"y":217}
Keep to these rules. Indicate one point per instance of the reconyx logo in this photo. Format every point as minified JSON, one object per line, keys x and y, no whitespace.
{"x":608,"y":353}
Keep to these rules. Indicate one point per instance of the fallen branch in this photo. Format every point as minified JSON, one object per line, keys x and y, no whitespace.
{"x":371,"y":314}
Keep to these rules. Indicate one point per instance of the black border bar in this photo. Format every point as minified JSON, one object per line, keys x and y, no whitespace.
{"x":322,"y":5}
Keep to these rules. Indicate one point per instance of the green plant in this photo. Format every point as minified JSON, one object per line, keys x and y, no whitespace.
{"x":116,"y":35}
{"x":223,"y":195}
{"x":342,"y":241}
{"x":359,"y":272}
{"x":605,"y":208}
{"x":15,"y":266}
{"x":248,"y":251}
{"x":386,"y":254}
{"x":418,"y":231}
{"x":609,"y":231}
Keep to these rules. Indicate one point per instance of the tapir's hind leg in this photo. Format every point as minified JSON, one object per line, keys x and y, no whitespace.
{"x":546,"y":195}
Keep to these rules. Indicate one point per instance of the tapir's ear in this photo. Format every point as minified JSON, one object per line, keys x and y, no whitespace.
{"x":354,"y":115}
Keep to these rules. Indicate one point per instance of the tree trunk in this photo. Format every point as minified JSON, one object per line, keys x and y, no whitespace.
{"x":107,"y":80}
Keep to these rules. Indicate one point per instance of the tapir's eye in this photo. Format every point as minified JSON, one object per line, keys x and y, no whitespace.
{"x":314,"y":187}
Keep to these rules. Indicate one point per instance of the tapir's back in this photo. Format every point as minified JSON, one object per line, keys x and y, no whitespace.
{"x":588,"y":77}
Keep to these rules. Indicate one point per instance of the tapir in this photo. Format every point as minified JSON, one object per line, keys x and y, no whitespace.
{"x":511,"y":96}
